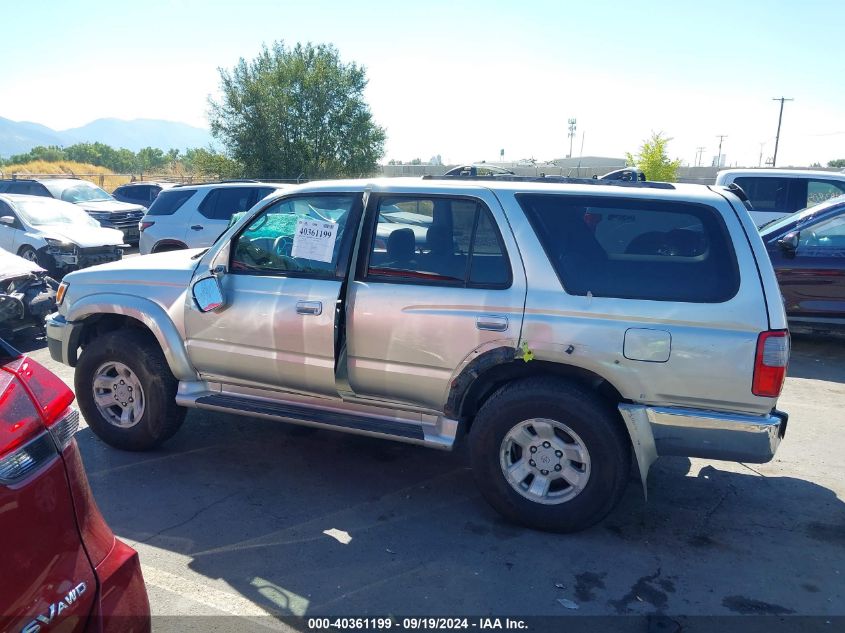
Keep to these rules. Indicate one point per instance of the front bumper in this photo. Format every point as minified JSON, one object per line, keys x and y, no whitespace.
{"x":62,"y":339}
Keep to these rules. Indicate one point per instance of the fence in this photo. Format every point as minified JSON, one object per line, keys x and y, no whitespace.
{"x":110,"y":182}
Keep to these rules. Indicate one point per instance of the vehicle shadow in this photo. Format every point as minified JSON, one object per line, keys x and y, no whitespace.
{"x":310,"y":522}
{"x":817,"y":357}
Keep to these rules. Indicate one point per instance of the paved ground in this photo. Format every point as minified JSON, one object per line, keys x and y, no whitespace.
{"x":230,"y":517}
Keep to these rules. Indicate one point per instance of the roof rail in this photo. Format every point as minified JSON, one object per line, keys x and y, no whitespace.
{"x":215,"y":182}
{"x":648,"y":184}
{"x":37,"y":177}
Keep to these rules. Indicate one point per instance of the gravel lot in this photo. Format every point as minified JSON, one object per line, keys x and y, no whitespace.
{"x":230,"y":517}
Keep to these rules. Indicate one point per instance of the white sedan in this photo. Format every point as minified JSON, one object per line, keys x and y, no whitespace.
{"x":57,"y":235}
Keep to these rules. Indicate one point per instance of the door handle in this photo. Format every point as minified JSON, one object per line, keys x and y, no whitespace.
{"x":492,"y":322}
{"x":313,"y":308}
{"x":197,"y":227}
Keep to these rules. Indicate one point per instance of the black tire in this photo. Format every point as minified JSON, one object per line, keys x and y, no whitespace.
{"x":596,"y":423}
{"x":140,"y":352}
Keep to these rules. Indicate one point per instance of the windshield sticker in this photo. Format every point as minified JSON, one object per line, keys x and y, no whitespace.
{"x":314,"y":240}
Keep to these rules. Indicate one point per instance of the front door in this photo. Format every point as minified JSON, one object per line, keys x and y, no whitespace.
{"x":813,"y":280}
{"x":279,"y":327}
{"x":433,"y":285}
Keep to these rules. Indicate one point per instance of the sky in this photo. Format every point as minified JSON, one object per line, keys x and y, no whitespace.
{"x":467,"y":79}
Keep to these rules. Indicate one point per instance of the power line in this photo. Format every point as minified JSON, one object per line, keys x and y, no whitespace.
{"x":777,"y":136}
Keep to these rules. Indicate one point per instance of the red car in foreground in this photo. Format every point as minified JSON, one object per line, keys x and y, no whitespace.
{"x":61,"y":567}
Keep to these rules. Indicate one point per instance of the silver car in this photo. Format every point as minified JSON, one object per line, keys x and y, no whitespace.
{"x":565,"y":328}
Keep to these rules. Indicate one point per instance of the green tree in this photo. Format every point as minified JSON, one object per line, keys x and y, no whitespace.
{"x":205,"y":162}
{"x":838,"y":163}
{"x":50,"y":154}
{"x":654,"y":161}
{"x":149,"y":159}
{"x":299,"y":110}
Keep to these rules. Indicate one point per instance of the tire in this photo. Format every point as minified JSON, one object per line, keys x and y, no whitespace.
{"x":588,"y":430}
{"x":155,"y":415}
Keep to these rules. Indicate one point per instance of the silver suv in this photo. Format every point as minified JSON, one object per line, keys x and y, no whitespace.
{"x":567,"y":328}
{"x":191,"y":216}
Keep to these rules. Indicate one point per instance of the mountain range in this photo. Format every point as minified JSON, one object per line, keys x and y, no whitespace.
{"x":18,"y":137}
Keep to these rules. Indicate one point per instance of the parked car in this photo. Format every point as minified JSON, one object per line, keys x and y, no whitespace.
{"x":27,"y":295}
{"x":56,"y":235}
{"x":479,"y":169}
{"x":775,"y":193}
{"x":566,"y":328}
{"x":807,"y":249}
{"x":96,"y":202}
{"x":63,"y":568}
{"x":189,"y":216}
{"x":142,"y":193}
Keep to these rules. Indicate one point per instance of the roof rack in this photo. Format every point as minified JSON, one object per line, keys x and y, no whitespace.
{"x":215,"y":182}
{"x":648,"y":184}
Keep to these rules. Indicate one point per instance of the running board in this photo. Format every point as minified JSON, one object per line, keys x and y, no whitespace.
{"x":439,"y":432}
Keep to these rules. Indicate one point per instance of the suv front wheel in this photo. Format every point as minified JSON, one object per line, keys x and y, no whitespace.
{"x":550,"y":455}
{"x":126,"y":390}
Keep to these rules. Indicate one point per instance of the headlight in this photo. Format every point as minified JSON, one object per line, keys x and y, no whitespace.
{"x":60,"y":293}
{"x":54,"y":242}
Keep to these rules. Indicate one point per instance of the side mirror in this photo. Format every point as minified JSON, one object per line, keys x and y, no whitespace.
{"x":789,"y":243}
{"x":7,"y":219}
{"x":208,"y":294}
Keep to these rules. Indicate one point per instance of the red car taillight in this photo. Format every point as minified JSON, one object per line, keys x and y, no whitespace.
{"x":144,"y":225}
{"x":770,"y":363}
{"x":35,"y":418}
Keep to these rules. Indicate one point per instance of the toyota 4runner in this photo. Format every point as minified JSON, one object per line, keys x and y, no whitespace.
{"x":566,"y":327}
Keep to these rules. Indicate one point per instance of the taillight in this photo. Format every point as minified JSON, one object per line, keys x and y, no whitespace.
{"x":36,"y":420}
{"x":770,"y":363}
{"x":144,"y":225}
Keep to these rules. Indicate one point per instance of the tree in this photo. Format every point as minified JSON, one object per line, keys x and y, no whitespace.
{"x":654,"y":161}
{"x":299,"y":110}
{"x":838,"y":163}
{"x":209,"y":163}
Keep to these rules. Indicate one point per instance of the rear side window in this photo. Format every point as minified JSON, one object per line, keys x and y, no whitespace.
{"x":635,"y":249}
{"x":222,"y":203}
{"x":168,"y":202}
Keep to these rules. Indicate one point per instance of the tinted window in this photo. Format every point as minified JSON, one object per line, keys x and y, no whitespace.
{"x":635,"y":249}
{"x":27,"y":188}
{"x":437,"y":240}
{"x":168,"y":202}
{"x":262,"y":192}
{"x":765,"y":193}
{"x":221,"y":203}
{"x":296,"y":235}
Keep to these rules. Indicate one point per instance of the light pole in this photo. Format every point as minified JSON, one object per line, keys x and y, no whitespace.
{"x":777,"y":136}
{"x":719,"y":158}
{"x":571,"y":135}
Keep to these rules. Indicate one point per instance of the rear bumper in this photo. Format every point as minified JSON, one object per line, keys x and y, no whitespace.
{"x":658,"y":431}
{"x":715,"y":435}
{"x":122,"y":603}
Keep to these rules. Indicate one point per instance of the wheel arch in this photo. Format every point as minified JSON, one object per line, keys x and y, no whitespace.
{"x":97,"y":314}
{"x":165,"y":245}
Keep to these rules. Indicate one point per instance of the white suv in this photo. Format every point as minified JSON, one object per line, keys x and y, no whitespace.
{"x":193,"y":216}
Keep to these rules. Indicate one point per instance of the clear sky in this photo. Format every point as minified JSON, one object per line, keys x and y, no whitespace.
{"x":463,"y":79}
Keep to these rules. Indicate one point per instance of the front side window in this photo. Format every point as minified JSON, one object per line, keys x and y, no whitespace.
{"x":304,"y":235}
{"x":448,"y":241}
{"x":635,"y":249}
{"x":825,"y":239}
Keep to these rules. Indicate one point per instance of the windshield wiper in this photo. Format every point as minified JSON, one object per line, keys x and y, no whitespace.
{"x":200,"y":254}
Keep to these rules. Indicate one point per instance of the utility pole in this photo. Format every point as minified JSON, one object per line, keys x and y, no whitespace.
{"x":698,"y":153}
{"x":571,"y":135}
{"x":721,"y":137}
{"x":780,"y":118}
{"x":760,"y":162}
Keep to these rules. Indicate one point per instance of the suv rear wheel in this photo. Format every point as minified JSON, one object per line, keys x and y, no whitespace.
{"x":126,"y":391}
{"x":550,"y":455}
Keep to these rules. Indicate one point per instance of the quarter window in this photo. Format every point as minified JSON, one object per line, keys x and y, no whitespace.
{"x":821,"y":190}
{"x":446,"y":241}
{"x":168,"y":202}
{"x":635,"y":249}
{"x":297,"y":235}
{"x":221,"y":203}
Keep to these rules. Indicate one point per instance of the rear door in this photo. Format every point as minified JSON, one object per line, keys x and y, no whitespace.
{"x":46,"y":577}
{"x":439,"y":279}
{"x":214,"y":212}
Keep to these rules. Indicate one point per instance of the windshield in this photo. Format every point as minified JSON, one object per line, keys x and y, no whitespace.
{"x":45,"y":211}
{"x":800,"y":217}
{"x":84,"y":192}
